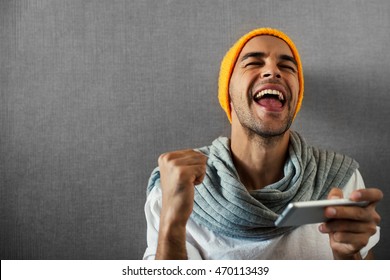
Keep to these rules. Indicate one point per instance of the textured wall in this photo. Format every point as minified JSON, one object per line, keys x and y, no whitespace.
{"x":93,"y":91}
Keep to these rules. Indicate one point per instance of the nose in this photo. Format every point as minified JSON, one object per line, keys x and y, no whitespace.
{"x":271,"y":71}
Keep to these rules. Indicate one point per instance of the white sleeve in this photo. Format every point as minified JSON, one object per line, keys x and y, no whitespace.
{"x":152,"y":213}
{"x":356,"y":182}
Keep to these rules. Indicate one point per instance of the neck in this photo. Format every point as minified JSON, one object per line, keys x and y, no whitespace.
{"x":259,"y":161}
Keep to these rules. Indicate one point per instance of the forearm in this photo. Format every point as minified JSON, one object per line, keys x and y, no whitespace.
{"x":171,"y":243}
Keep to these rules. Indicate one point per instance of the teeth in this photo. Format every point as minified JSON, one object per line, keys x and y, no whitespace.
{"x":269,"y":92}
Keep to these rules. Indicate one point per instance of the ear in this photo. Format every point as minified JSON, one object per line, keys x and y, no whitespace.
{"x":232,"y":111}
{"x":230,"y":97}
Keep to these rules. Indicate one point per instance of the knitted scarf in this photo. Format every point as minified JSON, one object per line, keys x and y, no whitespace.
{"x":224,"y":205}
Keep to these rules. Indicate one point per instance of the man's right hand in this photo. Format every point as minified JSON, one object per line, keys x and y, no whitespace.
{"x":180,"y":171}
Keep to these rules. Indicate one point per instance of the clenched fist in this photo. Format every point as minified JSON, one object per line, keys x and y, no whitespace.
{"x":180,"y":171}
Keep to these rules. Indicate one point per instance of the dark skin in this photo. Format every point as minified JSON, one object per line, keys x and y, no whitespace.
{"x":259,"y":146}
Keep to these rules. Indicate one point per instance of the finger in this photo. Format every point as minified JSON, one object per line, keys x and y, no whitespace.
{"x":180,"y":158}
{"x":183,"y":154}
{"x":194,"y":157}
{"x":356,"y":213}
{"x":356,"y":240}
{"x":347,"y":244}
{"x":199,"y":172}
{"x":192,"y":175}
{"x":348,"y":226}
{"x":372,"y":194}
{"x":199,"y":179}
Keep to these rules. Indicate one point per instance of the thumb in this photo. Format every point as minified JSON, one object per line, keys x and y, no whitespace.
{"x":335,"y":193}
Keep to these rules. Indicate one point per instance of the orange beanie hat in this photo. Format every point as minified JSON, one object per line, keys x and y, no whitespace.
{"x":229,"y":61}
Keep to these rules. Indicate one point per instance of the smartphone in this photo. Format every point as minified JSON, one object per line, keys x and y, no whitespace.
{"x":310,"y":212}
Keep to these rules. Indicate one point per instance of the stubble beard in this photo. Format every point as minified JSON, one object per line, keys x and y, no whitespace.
{"x":256,"y":129}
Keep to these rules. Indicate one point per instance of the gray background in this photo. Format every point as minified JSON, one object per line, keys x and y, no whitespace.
{"x":93,"y":91}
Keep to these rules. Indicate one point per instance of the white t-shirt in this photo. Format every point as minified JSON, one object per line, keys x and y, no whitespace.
{"x":304,"y":243}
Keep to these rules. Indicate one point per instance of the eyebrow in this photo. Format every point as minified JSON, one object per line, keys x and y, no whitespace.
{"x":253,"y":54}
{"x":262,"y":54}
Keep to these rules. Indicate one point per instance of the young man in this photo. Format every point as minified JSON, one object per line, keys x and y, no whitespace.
{"x":221,"y":201}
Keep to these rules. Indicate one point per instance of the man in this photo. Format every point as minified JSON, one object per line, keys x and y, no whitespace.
{"x":221,"y":201}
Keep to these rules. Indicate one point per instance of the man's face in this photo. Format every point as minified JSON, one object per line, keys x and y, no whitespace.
{"x":264,"y":87}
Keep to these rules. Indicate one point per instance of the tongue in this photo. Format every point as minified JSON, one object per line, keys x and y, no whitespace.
{"x":270,"y":103}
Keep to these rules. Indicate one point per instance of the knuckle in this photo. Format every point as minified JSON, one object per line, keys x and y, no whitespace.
{"x":362,"y":215}
{"x":168,"y":160}
{"x":163,"y":158}
{"x":372,"y":229}
{"x":377,"y":218}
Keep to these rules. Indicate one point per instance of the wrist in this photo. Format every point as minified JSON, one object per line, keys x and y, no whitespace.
{"x":172,"y":231}
{"x":171,"y":242}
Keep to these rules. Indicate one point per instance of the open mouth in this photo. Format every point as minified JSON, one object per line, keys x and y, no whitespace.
{"x":270,"y":98}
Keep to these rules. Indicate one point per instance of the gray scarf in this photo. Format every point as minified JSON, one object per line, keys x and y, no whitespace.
{"x":223,"y":204}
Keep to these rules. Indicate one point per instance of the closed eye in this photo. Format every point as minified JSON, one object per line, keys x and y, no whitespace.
{"x":291,"y":68}
{"x":255,"y":63}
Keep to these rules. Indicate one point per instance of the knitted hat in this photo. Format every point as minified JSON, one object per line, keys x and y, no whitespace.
{"x":229,"y":61}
